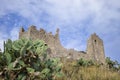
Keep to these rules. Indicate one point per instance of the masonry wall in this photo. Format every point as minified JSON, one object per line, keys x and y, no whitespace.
{"x":95,"y":48}
{"x":52,"y":40}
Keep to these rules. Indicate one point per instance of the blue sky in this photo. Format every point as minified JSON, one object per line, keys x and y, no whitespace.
{"x":77,"y":20}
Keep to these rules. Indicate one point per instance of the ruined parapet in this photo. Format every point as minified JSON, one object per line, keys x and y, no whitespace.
{"x":57,"y":42}
{"x":95,"y":49}
{"x":21,"y":32}
{"x":22,"y":29}
{"x":57,"y":33}
{"x":33,"y":33}
{"x":53,"y":41}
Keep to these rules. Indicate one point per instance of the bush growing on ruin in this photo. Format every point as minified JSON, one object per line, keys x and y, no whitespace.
{"x":85,"y":63}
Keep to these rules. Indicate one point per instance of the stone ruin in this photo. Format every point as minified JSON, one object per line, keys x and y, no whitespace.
{"x":94,"y":51}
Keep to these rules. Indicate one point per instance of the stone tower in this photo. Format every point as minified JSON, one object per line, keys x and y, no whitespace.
{"x":95,"y":49}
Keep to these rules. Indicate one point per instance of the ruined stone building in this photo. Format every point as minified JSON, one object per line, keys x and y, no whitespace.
{"x":94,"y":51}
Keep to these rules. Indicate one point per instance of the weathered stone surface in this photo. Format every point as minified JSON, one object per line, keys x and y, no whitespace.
{"x":95,"y":48}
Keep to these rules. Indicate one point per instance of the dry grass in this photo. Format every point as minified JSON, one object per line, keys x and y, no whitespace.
{"x":87,"y":73}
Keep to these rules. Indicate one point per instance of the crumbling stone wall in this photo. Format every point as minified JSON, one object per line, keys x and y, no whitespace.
{"x":95,"y":48}
{"x":52,"y":40}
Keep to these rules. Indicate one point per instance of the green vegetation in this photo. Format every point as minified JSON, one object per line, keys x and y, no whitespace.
{"x":84,"y":63}
{"x":79,"y":70}
{"x":28,"y":60}
{"x":112,"y":65}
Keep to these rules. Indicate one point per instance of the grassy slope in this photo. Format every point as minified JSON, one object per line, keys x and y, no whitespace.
{"x":87,"y":73}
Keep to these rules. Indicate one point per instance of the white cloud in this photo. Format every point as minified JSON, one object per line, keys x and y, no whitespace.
{"x":75,"y":16}
{"x":64,"y":12}
{"x":14,"y":33}
{"x":1,"y":44}
{"x":68,"y":13}
{"x":4,"y":36}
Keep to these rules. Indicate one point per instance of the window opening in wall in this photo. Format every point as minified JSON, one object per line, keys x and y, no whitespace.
{"x":95,"y":41}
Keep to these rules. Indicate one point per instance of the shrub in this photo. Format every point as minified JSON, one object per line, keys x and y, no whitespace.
{"x":26,"y":59}
{"x":82,"y":62}
{"x":113,"y":65}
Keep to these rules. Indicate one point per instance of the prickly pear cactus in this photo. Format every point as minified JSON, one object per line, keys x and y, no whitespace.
{"x":27,"y":60}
